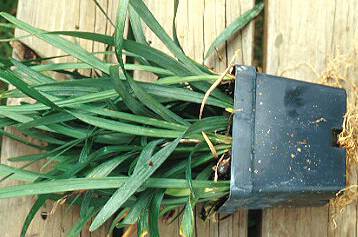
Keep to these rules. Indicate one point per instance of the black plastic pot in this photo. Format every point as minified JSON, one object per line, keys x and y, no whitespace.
{"x":285,"y":150}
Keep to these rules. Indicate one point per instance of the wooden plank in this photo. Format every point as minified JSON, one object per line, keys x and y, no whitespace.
{"x":301,"y":37}
{"x":198,"y":22}
{"x":48,"y":15}
{"x":225,"y":12}
{"x":13,"y":212}
{"x":237,"y":224}
{"x":163,"y":13}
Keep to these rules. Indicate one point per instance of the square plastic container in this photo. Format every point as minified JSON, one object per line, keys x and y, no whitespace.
{"x":284,"y":150}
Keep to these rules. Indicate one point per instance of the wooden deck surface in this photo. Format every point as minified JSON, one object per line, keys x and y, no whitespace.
{"x":198,"y":23}
{"x":300,"y":37}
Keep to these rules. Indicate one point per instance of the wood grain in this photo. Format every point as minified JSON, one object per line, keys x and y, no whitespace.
{"x":198,"y":23}
{"x":49,"y":15}
{"x":301,"y":37}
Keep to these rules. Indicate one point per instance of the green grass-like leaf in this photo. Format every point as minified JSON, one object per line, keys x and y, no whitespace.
{"x":110,"y":143}
{"x":143,"y":172}
{"x":234,"y":27}
{"x":188,"y":222}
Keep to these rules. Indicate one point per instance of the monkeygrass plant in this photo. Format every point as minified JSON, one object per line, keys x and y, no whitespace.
{"x":125,"y":151}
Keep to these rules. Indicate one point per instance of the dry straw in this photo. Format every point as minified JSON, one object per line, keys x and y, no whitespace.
{"x":342,"y":71}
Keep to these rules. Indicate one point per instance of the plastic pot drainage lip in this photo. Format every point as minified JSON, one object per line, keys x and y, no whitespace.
{"x":284,"y":150}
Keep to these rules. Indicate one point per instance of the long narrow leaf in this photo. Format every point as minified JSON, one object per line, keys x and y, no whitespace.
{"x":155,"y":213}
{"x":66,"y":185}
{"x":107,"y":167}
{"x":76,"y":229}
{"x":234,"y":27}
{"x":133,"y":183}
{"x":174,"y":29}
{"x":145,"y":155}
{"x":125,"y":128}
{"x":188,"y":222}
{"x":153,"y":104}
{"x":22,"y":86}
{"x":141,"y":204}
{"x":120,"y":25}
{"x":142,"y":50}
{"x":143,"y":224}
{"x":120,"y":85}
{"x":19,"y":174}
{"x":41,"y":200}
{"x":103,"y":12}
{"x":137,"y":27}
{"x":153,"y":24}
{"x":61,"y":43}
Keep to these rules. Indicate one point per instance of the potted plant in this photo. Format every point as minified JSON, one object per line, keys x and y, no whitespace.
{"x":126,"y":149}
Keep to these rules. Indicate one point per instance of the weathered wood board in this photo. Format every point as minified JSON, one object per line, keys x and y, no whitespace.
{"x":301,"y":37}
{"x":49,"y":15}
{"x":198,"y":23}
